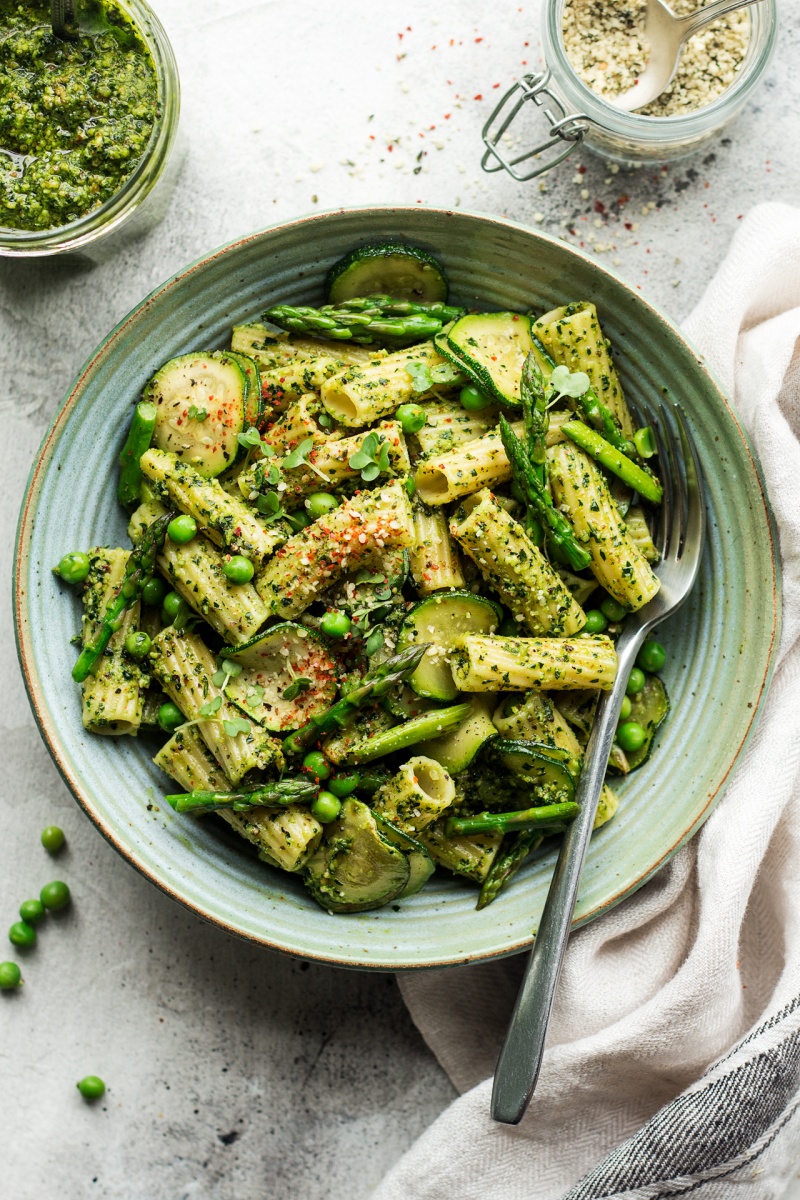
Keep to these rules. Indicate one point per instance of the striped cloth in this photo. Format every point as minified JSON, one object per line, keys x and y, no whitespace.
{"x":673,"y":1060}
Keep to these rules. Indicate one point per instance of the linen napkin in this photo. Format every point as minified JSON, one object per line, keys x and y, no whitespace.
{"x":673,"y":1060}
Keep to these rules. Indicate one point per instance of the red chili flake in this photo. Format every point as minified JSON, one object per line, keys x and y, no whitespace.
{"x":433,"y":47}
{"x":447,"y":116}
{"x":478,"y":39}
{"x":581,"y":170}
{"x":372,"y":137}
{"x":479,"y":96}
{"x":740,"y":216}
{"x":400,"y":36}
{"x":408,"y":27}
{"x":524,"y":62}
{"x":629,"y":226}
{"x":431,"y":127}
{"x":599,"y":207}
{"x":390,"y":147}
{"x":623,"y":199}
{"x":495,"y":85}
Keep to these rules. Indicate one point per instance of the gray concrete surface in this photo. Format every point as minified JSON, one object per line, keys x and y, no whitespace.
{"x":235,"y":1074}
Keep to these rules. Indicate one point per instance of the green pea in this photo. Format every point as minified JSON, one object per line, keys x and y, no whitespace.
{"x":320,"y":503}
{"x":182,"y":529}
{"x":238,"y":569}
{"x":298,"y":520}
{"x":343,"y":785}
{"x":22,"y":934}
{"x":154,"y":591}
{"x":510,"y":627}
{"x":137,"y":645}
{"x":636,"y":682}
{"x":335,"y":624}
{"x":73,"y":567}
{"x":10,"y":976}
{"x":326,"y":808}
{"x":473,"y":399}
{"x":631,"y":736}
{"x":595,"y":621}
{"x":52,"y":839}
{"x":55,"y":895}
{"x":171,"y":607}
{"x":317,"y":764}
{"x":644,"y":442}
{"x":651,"y":657}
{"x":625,"y":710}
{"x":169,"y":717}
{"x":612,"y":609}
{"x":31,"y":911}
{"x":91,"y":1087}
{"x":411,"y":417}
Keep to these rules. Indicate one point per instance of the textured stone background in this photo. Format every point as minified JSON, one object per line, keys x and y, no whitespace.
{"x":235,"y":1074}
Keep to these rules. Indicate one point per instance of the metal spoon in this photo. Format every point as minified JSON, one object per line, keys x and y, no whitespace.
{"x":62,"y":17}
{"x":666,"y":35}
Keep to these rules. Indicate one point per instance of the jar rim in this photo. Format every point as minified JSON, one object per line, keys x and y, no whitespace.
{"x":112,"y":212}
{"x":761,"y":44}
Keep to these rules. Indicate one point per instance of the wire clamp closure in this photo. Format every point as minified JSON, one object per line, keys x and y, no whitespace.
{"x":566,"y":129}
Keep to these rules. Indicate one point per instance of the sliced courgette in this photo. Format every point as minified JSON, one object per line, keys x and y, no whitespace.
{"x":649,"y":707}
{"x":287,"y":677}
{"x":252,"y":405}
{"x":387,"y":269}
{"x":443,"y":620}
{"x":356,"y":868}
{"x":465,"y":854}
{"x":455,"y":751}
{"x":421,"y":865}
{"x":201,"y":400}
{"x":492,"y":348}
{"x":542,"y":768}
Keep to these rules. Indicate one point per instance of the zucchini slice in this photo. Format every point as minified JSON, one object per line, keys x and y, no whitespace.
{"x":649,"y":707}
{"x":492,"y":348}
{"x":201,"y":402}
{"x":540,"y":767}
{"x":252,"y":405}
{"x":274,"y":663}
{"x":356,"y":868}
{"x":389,"y":269}
{"x":455,"y":751}
{"x":420,"y":864}
{"x":443,"y":620}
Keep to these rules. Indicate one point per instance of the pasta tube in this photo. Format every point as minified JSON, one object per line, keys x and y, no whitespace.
{"x":365,"y":393}
{"x":337,"y":542}
{"x":187,"y":759}
{"x":112,"y":697}
{"x":582,"y":493}
{"x":460,"y":472}
{"x":448,"y":425}
{"x":515,"y":568}
{"x":466,"y":854}
{"x":418,"y":794}
{"x":225,"y":520}
{"x":493,"y":664}
{"x":433,"y":557}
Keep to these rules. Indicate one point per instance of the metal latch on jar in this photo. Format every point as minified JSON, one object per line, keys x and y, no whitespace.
{"x":565,"y":128}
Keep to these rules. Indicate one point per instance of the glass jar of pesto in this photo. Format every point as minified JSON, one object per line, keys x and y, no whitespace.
{"x":567,"y":112}
{"x":88,"y":127}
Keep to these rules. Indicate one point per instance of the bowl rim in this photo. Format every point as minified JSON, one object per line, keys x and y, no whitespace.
{"x":44,"y":455}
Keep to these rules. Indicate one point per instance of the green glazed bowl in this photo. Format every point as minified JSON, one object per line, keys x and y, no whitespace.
{"x":720,"y":644}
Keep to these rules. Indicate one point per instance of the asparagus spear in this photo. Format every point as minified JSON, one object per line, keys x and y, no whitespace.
{"x":537,"y":419}
{"x":138,"y":569}
{"x":374,"y":685}
{"x":514,"y":850}
{"x":283,"y":791}
{"x":559,"y":530}
{"x":388,"y":306}
{"x":419,"y":729}
{"x":601,"y":418}
{"x":614,"y":460}
{"x":550,"y":816}
{"x":143,"y":422}
{"x":380,"y":322}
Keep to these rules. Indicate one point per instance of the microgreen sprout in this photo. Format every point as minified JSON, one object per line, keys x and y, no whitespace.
{"x":372,"y":459}
{"x":197,"y":414}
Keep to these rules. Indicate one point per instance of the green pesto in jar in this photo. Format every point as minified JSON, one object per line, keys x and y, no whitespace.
{"x":75,"y":115}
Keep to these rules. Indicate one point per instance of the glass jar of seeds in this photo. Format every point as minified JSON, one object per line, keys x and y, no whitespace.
{"x":594,"y":50}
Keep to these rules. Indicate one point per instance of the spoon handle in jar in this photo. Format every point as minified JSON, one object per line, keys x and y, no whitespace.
{"x":711,"y":12}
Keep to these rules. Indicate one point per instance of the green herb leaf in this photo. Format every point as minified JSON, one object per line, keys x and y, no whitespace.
{"x":364,"y":457}
{"x":210,"y":707}
{"x":371,"y":471}
{"x":421,"y":380}
{"x":299,"y":455}
{"x":237,"y":725}
{"x":564,"y":382}
{"x":366,"y":577}
{"x":197,"y":414}
{"x":374,"y":642}
{"x":254,"y":697}
{"x":298,"y":685}
{"x":250,"y":438}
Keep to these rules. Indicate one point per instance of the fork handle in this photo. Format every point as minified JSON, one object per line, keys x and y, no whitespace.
{"x":521,"y":1056}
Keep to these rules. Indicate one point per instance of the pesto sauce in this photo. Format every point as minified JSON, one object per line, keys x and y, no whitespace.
{"x":75,"y":115}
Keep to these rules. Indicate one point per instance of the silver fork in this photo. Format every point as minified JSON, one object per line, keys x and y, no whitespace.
{"x":680,"y":545}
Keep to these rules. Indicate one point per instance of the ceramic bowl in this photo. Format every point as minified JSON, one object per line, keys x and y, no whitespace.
{"x":720,"y":645}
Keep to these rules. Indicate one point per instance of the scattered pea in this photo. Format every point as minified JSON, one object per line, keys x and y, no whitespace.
{"x":316,"y":762}
{"x":343,"y":785}
{"x":52,"y":839}
{"x":326,"y":808}
{"x":137,"y":645}
{"x":91,"y":1087}
{"x":31,"y":911}
{"x":73,"y":567}
{"x":171,"y":607}
{"x":625,"y":711}
{"x":298,"y":520}
{"x":335,"y":624}
{"x":182,"y":529}
{"x":411,"y":417}
{"x":22,"y":934}
{"x":10,"y":976}
{"x":595,"y":621}
{"x":55,"y":895}
{"x":169,"y":717}
{"x":612,"y":609}
{"x":651,"y":657}
{"x":154,"y":591}
{"x":320,"y":503}
{"x":631,"y":736}
{"x":636,"y":682}
{"x":473,"y":399}
{"x":238,"y":569}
